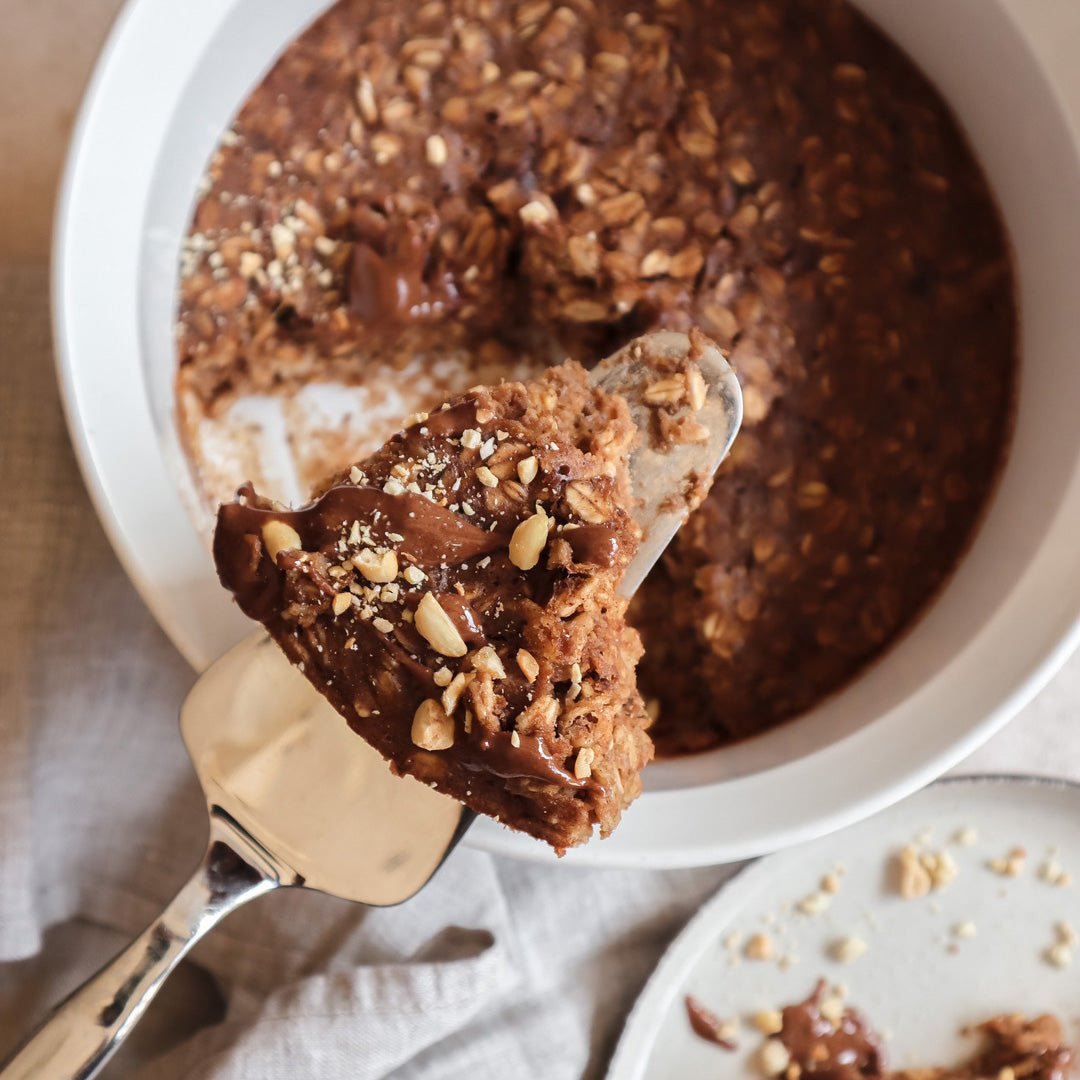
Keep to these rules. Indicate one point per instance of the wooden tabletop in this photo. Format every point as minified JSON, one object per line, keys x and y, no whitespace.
{"x":49,"y":51}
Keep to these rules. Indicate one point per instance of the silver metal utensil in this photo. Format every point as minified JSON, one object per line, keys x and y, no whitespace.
{"x":663,"y":474}
{"x":296,"y":799}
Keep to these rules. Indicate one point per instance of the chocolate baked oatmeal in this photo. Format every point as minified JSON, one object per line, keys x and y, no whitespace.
{"x":498,"y":182}
{"x":454,"y":597}
{"x":843,"y":1046}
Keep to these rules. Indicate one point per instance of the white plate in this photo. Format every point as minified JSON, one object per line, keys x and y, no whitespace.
{"x":166,"y":85}
{"x":917,"y":980}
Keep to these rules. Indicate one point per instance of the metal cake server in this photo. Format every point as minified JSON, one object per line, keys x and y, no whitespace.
{"x":297,"y":800}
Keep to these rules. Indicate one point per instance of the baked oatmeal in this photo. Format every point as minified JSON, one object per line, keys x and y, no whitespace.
{"x":454,"y":597}
{"x":500,"y":182}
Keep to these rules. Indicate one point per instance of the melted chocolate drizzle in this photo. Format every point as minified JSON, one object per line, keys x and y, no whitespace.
{"x":596,"y":544}
{"x":706,"y":1025}
{"x":428,"y":535}
{"x":432,"y":536}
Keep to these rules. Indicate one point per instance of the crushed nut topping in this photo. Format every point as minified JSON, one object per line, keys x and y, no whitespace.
{"x":432,"y":729}
{"x":1053,"y":873}
{"x":1059,"y":955}
{"x":774,"y":1057}
{"x":438,"y":628}
{"x":583,"y":762}
{"x":1011,"y":865}
{"x":768,"y":1021}
{"x":814,"y":904}
{"x":413,"y":575}
{"x":279,"y":537}
{"x":914,"y":878}
{"x":486,"y":661}
{"x":528,"y":665}
{"x":452,"y":694}
{"x":375,"y":566}
{"x":529,"y":540}
{"x":526,"y":469}
{"x":918,"y":872}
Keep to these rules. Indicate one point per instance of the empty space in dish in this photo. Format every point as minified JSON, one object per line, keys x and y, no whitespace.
{"x":289,"y":443}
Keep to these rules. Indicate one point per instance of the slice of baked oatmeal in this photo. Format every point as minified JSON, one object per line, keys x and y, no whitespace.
{"x":454,"y":597}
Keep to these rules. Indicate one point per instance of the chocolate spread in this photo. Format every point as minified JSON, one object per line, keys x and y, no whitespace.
{"x":706,"y":1024}
{"x":846,"y":1050}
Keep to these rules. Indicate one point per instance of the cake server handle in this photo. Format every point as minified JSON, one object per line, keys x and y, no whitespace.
{"x":86,"y":1029}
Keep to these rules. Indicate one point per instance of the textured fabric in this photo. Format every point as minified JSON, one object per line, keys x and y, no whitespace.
{"x":497,"y":969}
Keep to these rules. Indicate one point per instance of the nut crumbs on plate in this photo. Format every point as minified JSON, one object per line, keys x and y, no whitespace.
{"x":829,"y":1040}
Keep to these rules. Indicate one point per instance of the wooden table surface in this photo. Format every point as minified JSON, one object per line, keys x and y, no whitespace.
{"x":49,"y":50}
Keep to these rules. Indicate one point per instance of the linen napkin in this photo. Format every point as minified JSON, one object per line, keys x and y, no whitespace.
{"x":496,"y":969}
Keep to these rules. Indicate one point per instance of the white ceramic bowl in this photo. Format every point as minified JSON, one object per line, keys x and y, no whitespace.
{"x":168,"y":82}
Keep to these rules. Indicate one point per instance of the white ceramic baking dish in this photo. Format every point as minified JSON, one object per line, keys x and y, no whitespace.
{"x":168,"y":82}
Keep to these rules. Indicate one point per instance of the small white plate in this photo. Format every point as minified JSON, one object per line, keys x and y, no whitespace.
{"x":918,"y":982}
